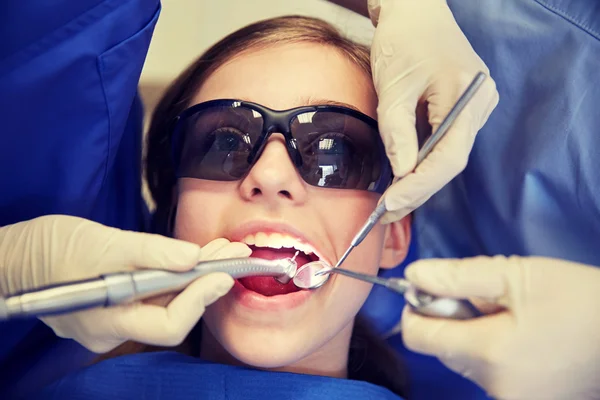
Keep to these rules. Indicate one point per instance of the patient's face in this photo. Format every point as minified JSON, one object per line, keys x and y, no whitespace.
{"x":273,"y":207}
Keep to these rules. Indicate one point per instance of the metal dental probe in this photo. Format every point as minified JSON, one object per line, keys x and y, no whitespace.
{"x":424,"y":152}
{"x":125,"y":287}
{"x":420,"y":301}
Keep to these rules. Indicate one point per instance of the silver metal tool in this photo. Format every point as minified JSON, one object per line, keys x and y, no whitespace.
{"x":308,"y":277}
{"x":423,"y":152}
{"x":125,"y":287}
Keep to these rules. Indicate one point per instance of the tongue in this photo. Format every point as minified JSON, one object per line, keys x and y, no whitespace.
{"x":267,"y":285}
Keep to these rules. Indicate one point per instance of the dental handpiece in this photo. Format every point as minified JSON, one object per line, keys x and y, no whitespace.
{"x":418,"y":300}
{"x":125,"y":287}
{"x":428,"y":146}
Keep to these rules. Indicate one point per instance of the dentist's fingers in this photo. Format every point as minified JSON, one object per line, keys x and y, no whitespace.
{"x":446,"y":338}
{"x":213,"y":247}
{"x":484,"y":277}
{"x":221,"y":248}
{"x":164,"y":320}
{"x":398,"y":120}
{"x":168,"y":326}
{"x":143,"y":250}
{"x":447,"y":159}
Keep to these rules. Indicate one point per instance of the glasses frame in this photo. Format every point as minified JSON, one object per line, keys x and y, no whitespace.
{"x":280,"y":121}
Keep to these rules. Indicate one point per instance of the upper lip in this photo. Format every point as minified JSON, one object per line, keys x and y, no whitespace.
{"x":254,"y":227}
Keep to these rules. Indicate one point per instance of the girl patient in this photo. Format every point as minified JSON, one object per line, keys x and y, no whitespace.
{"x":269,"y":139}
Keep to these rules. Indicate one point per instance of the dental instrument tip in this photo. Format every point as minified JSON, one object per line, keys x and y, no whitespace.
{"x":343,"y":258}
{"x":291,"y":267}
{"x":324,"y":271}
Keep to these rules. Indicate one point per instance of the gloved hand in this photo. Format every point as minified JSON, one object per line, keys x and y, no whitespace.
{"x":420,"y":55}
{"x":544,"y":345}
{"x":57,"y":248}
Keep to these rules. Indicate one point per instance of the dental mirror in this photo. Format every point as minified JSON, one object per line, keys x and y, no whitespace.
{"x":306,"y":277}
{"x":314,"y":274}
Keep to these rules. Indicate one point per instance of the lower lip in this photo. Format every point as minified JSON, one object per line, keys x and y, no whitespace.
{"x":256,"y":301}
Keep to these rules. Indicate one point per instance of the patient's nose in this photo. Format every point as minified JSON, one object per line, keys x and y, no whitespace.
{"x":274,"y":178}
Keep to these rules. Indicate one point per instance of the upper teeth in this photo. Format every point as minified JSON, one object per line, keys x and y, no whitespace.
{"x":277,"y":241}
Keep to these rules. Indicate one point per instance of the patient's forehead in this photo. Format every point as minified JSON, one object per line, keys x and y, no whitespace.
{"x":289,"y":75}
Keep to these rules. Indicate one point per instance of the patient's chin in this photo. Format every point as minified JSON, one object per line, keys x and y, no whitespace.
{"x":266,"y":360}
{"x":267,"y":351}
{"x":235,"y":342}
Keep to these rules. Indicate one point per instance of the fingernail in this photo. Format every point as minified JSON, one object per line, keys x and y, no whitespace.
{"x":225,"y":285}
{"x":419,"y":273}
{"x":190,"y":252}
{"x":217,"y":292}
{"x":410,"y":273}
{"x":220,"y":289}
{"x":241,"y":249}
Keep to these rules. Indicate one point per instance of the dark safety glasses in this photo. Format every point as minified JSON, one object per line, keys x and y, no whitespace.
{"x":331,"y":146}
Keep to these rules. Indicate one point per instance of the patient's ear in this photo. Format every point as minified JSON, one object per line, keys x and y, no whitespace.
{"x":396,"y":243}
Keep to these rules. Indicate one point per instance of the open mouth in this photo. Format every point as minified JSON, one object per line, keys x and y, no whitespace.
{"x":275,"y":246}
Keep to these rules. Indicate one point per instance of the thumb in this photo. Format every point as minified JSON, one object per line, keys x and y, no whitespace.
{"x":145,"y":250}
{"x":450,"y":339}
{"x":484,"y":277}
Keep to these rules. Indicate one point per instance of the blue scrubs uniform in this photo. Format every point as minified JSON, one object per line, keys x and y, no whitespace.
{"x":71,"y":119}
{"x":71,"y":139}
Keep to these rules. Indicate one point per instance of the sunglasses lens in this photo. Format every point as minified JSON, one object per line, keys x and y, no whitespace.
{"x":217,"y":142}
{"x":338,"y":150}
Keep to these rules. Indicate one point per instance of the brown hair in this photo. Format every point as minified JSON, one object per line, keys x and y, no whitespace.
{"x":370,"y":359}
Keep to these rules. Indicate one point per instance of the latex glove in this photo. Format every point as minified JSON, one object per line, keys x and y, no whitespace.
{"x":54,"y":249}
{"x":545,"y":345}
{"x":418,"y":55}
